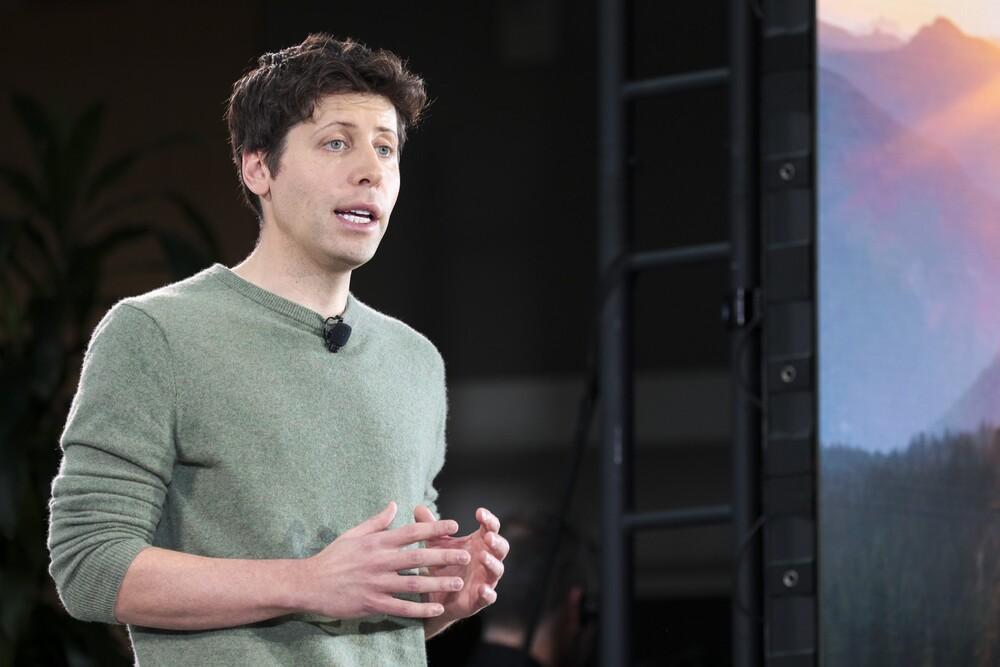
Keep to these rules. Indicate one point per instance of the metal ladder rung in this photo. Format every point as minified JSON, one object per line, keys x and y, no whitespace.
{"x":705,"y":515}
{"x":651,"y":259}
{"x":646,"y":259}
{"x":674,"y":83}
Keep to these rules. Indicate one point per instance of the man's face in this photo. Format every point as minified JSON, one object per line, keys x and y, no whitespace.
{"x":337,"y":166}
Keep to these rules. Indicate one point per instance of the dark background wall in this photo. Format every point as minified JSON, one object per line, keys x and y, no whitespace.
{"x":492,"y":249}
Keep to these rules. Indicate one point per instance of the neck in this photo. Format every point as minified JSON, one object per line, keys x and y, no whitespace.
{"x":542,"y":649}
{"x":296,"y":278}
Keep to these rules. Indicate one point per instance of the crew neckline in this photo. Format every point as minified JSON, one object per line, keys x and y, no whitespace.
{"x":280,"y":304}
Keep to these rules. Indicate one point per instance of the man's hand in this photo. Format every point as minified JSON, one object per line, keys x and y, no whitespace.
{"x":357,"y":574}
{"x":487,"y":550}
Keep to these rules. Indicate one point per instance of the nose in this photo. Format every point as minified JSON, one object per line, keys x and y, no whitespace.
{"x":367,"y":167}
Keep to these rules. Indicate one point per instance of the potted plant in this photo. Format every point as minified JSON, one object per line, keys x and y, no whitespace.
{"x":70,"y":217}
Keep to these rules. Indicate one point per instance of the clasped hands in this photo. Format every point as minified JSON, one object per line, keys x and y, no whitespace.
{"x":357,"y":574}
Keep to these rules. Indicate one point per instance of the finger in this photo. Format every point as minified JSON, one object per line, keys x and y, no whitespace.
{"x":418,"y":532}
{"x":375,"y":524}
{"x":498,"y":544}
{"x":487,"y":595}
{"x":422,"y":514}
{"x":494,"y":567}
{"x":412,"y":558}
{"x":387,"y":604}
{"x":488,"y":520}
{"x":421,"y":584}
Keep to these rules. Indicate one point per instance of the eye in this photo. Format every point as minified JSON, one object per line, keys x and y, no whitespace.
{"x":385,"y":150}
{"x":336,"y":144}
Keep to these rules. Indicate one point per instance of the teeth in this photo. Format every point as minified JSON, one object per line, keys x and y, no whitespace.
{"x":360,"y":212}
{"x":355,"y":218}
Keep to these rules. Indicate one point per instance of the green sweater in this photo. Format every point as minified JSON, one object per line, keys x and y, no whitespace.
{"x":211,"y":419}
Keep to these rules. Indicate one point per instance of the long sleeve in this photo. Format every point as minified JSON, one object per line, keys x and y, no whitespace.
{"x":437,"y":456}
{"x":118,"y":455}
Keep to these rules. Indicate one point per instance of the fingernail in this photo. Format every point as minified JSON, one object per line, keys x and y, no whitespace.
{"x":438,"y":610}
{"x":457,"y":584}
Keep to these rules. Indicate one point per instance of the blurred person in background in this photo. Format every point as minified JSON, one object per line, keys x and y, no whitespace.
{"x":566,"y":631}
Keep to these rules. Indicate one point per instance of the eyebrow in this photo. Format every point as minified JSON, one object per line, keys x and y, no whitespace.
{"x":345,"y":123}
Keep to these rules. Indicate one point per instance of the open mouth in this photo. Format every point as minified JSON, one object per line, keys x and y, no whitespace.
{"x":357,"y":216}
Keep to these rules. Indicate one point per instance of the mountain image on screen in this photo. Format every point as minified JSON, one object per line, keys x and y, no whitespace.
{"x":909,"y":264}
{"x":978,"y":405}
{"x":909,"y":233}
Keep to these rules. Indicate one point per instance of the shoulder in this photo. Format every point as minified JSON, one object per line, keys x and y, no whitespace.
{"x":152,"y":316}
{"x":401,"y":336}
{"x":172,"y":308}
{"x":174,"y":299}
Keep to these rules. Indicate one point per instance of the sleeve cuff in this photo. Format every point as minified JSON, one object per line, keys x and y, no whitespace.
{"x":97,"y":585}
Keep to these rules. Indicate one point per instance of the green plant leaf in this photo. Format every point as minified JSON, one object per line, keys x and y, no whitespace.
{"x":15,"y":402}
{"x":199,"y":222}
{"x":36,"y":236}
{"x":17,"y":267}
{"x":16,"y":601}
{"x":22,"y":185}
{"x":106,"y":212}
{"x":80,"y":150}
{"x":110,"y":240}
{"x":115,"y":169}
{"x":184,"y":258}
{"x":11,"y":323}
{"x":24,"y":230}
{"x":11,"y":484}
{"x":36,"y":122}
{"x":10,"y":230}
{"x":45,"y":139}
{"x":48,"y":357}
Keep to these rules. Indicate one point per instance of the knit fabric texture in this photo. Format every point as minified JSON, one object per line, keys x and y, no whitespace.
{"x":211,"y":419}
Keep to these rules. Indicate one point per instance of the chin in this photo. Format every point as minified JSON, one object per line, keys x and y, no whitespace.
{"x":348,"y":263}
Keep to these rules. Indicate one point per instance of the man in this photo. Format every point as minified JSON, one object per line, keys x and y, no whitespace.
{"x":237,"y":461}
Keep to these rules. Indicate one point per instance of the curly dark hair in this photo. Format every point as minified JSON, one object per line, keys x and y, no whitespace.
{"x":285,"y":86}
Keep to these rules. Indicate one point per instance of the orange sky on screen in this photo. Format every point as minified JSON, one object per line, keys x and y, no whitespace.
{"x":905,"y":17}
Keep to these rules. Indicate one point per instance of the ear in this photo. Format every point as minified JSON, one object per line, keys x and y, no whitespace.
{"x":255,"y":173}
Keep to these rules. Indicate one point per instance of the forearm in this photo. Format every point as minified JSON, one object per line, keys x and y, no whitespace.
{"x":178,"y":591}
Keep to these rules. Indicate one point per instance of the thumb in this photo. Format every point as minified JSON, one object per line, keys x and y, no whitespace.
{"x":422,"y":514}
{"x":375,"y":524}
